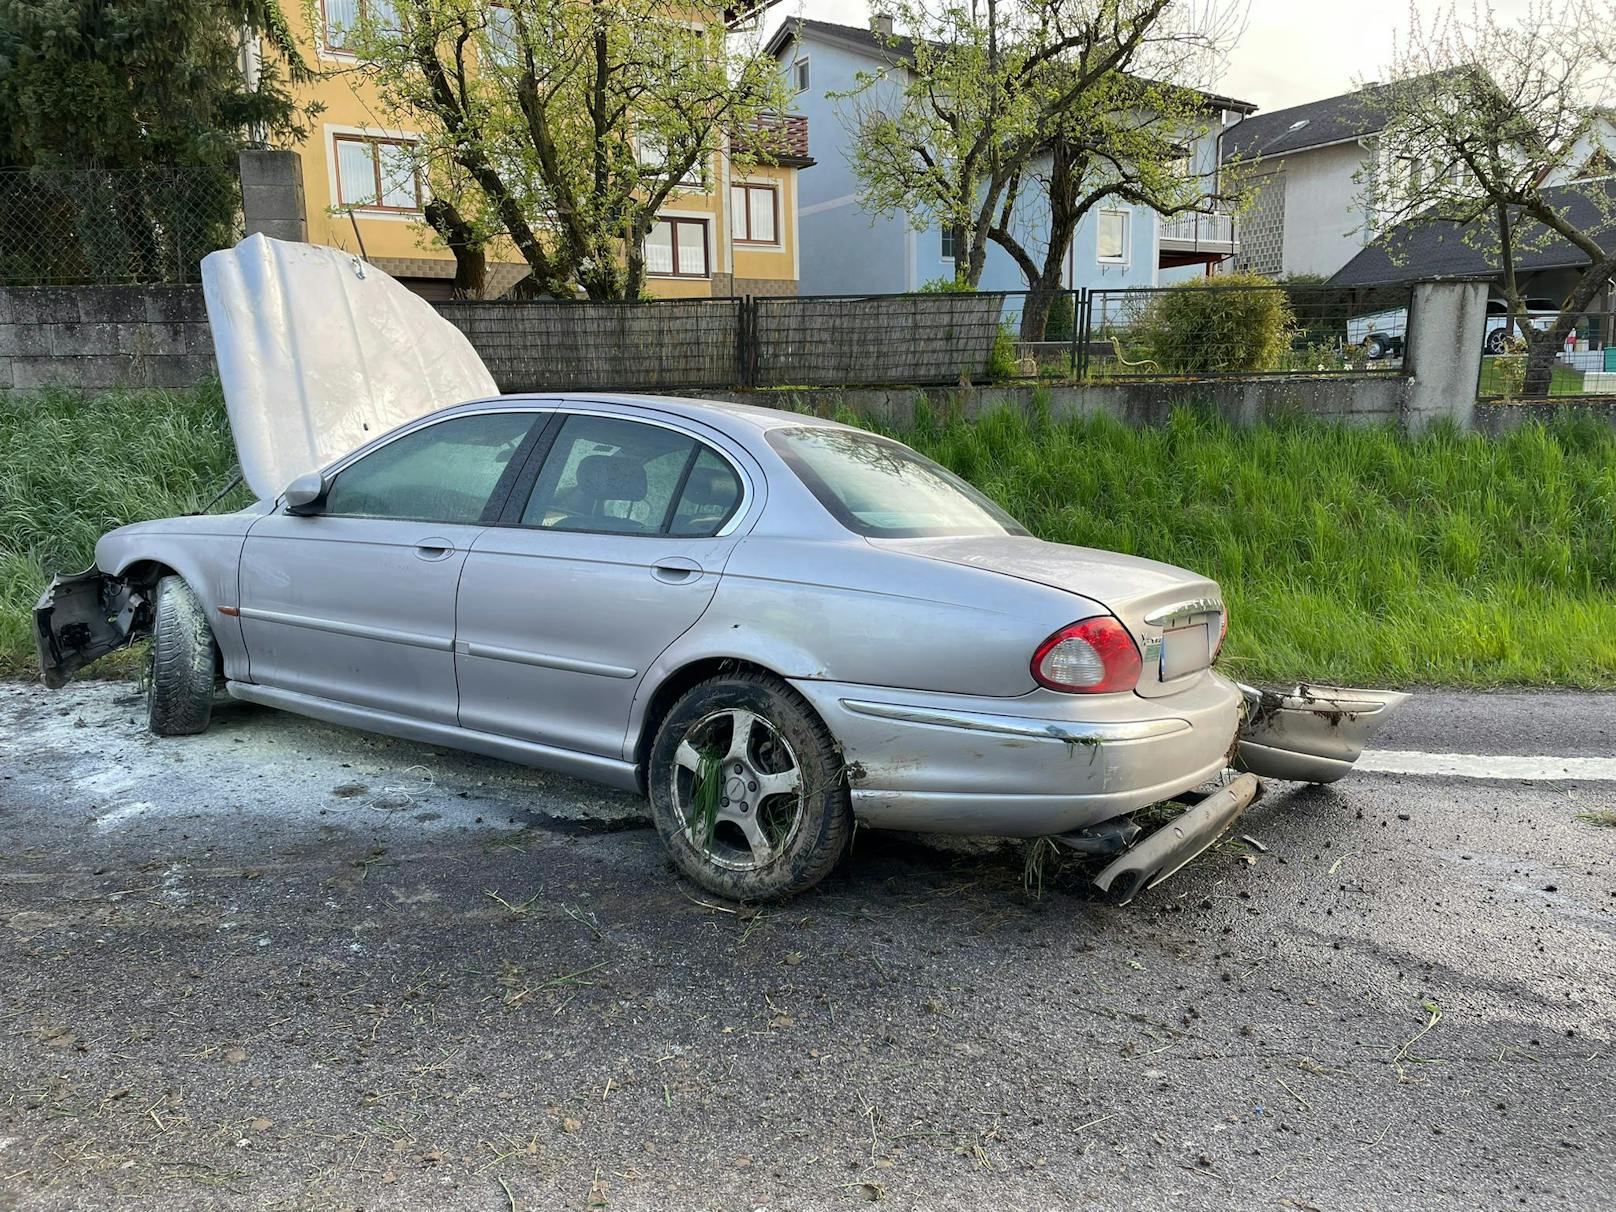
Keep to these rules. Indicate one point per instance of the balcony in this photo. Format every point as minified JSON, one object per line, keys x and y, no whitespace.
{"x":776,"y":139}
{"x":1200,"y":234}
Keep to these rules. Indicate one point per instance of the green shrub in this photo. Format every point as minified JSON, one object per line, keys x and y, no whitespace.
{"x":946,"y":286}
{"x":1002,"y":357}
{"x":1233,"y":325}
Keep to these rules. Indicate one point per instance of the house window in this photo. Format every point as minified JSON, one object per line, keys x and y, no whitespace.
{"x":947,"y":244}
{"x":754,"y":213}
{"x":504,"y":43}
{"x":377,"y":174}
{"x":677,"y":248}
{"x":343,"y":16}
{"x":1112,"y":237}
{"x":651,"y":149}
{"x":799,"y":76}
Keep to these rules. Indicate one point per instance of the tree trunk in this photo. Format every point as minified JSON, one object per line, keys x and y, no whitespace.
{"x":1540,"y":356}
{"x":1041,"y":296}
{"x":471,"y":262}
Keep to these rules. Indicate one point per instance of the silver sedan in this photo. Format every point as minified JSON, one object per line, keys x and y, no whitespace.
{"x":772,"y":625}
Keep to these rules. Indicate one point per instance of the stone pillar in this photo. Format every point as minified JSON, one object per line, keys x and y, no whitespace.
{"x":1442,"y":352}
{"x":272,"y":193}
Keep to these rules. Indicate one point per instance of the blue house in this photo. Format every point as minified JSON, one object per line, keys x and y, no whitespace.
{"x":845,"y":250}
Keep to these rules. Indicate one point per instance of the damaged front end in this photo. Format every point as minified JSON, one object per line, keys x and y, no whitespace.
{"x":1310,"y":734}
{"x":82,"y":617}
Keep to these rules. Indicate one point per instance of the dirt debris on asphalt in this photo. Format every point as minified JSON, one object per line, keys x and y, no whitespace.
{"x":287,"y":965}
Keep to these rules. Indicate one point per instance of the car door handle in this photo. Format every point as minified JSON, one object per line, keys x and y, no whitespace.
{"x":676,"y":570}
{"x":434,"y":549}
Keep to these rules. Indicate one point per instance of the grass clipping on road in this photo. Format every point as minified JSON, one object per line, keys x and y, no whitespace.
{"x":1347,"y":555}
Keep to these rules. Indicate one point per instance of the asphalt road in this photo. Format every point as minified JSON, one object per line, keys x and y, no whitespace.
{"x":285,"y":965}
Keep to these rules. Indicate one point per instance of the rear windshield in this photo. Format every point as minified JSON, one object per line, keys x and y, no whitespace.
{"x":882,"y":489}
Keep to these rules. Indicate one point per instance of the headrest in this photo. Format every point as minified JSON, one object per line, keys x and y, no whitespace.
{"x":611,"y":478}
{"x":711,"y":486}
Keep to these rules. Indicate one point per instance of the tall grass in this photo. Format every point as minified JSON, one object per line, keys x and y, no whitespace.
{"x":73,"y":466}
{"x":1355,"y":555}
{"x":1347,"y":555}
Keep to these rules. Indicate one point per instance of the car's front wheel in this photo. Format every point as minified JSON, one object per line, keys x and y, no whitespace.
{"x":184,"y":658}
{"x":748,"y":789}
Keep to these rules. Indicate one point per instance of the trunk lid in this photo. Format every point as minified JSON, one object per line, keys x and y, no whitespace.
{"x":319,"y":352}
{"x":1173,"y":615}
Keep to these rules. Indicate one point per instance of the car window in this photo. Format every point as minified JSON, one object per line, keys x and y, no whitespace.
{"x":609,"y":475}
{"x":883,"y":489}
{"x":711,"y":494}
{"x":442,"y":473}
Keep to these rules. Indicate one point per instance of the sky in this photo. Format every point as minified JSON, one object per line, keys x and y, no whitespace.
{"x":1291,"y":51}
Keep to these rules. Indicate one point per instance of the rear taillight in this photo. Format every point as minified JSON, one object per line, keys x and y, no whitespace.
{"x":1096,"y":656}
{"x":1223,"y":631}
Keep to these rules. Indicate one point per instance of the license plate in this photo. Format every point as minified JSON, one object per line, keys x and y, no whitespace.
{"x":1183,"y":650}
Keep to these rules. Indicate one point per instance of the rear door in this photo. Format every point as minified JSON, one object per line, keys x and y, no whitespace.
{"x":356,"y":603}
{"x":610,"y":548}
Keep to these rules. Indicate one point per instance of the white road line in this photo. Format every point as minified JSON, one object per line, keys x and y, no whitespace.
{"x":1488,"y":766}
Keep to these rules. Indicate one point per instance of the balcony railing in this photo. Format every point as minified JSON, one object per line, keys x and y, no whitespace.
{"x":1200,"y":229}
{"x":776,"y":139}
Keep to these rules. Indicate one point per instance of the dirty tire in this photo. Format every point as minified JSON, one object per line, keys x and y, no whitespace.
{"x":821,"y":811}
{"x":183,"y":659}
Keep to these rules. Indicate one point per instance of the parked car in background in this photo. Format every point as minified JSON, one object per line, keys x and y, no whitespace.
{"x":1502,"y":324}
{"x":1382,"y":333}
{"x":771,"y":624}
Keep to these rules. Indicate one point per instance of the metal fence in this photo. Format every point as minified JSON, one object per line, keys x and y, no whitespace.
{"x":932,"y":338}
{"x":1584,"y":364}
{"x":876,"y":340}
{"x":544,"y":345}
{"x":111,"y":226}
{"x":1240,"y":330}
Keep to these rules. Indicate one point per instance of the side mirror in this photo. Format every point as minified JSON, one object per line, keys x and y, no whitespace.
{"x":305,"y":494}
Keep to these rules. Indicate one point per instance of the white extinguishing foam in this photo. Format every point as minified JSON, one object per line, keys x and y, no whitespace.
{"x":320,"y":352}
{"x":1488,"y":766}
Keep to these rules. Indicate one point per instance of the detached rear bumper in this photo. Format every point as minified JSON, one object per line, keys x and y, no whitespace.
{"x":1045,"y":763}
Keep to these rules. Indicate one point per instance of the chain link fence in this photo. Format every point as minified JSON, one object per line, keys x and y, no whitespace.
{"x":88,"y":226}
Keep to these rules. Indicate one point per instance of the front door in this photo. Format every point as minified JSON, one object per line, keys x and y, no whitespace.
{"x":356,"y":602}
{"x":611,"y":556}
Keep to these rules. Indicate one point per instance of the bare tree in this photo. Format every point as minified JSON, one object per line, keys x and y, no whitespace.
{"x":1500,"y":129}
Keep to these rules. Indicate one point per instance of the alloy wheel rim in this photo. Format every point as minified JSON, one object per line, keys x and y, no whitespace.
{"x":737,"y":789}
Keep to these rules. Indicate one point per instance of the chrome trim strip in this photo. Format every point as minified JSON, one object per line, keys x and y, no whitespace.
{"x":357,"y":630}
{"x":1183,"y":610}
{"x":545,"y":660}
{"x":1011,"y":725}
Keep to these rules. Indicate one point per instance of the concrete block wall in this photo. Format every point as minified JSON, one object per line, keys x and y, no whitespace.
{"x":103,"y":336}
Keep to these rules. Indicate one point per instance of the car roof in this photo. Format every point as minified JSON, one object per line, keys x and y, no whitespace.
{"x":719,"y":413}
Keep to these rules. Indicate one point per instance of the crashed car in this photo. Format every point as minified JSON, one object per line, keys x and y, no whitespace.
{"x":772,"y":625}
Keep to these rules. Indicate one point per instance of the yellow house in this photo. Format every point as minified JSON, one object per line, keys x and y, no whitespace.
{"x":730,"y":233}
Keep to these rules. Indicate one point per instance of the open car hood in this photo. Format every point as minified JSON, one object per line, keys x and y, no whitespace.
{"x":319,"y":352}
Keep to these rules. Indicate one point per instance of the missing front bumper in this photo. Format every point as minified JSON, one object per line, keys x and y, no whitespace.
{"x":1173,"y":845}
{"x":82,"y":617}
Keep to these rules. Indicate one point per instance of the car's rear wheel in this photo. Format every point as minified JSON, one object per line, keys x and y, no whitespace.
{"x":184,"y":658}
{"x":748,"y":789}
{"x":1495,"y":341}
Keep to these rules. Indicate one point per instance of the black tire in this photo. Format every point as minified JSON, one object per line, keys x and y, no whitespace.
{"x":803,"y":832}
{"x":1494,"y":341}
{"x":1375,"y":348}
{"x":184,"y":658}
